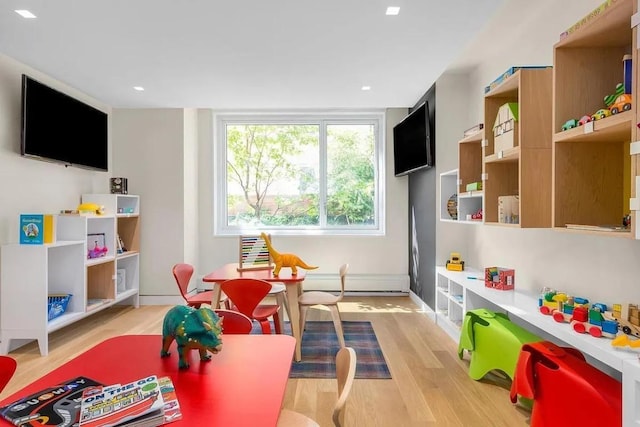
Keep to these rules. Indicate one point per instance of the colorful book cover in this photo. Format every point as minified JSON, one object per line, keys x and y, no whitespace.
{"x":58,"y":405}
{"x":137,"y":403}
{"x":171,"y":405}
{"x":37,"y":229}
{"x":592,"y":15}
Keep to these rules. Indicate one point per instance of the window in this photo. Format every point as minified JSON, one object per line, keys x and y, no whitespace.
{"x":318,"y":173}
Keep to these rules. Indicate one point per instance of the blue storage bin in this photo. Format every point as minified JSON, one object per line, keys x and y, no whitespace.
{"x":57,"y":305}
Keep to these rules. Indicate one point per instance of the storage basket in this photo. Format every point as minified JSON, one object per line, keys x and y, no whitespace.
{"x":57,"y":304}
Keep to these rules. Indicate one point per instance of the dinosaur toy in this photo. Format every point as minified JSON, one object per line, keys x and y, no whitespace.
{"x":285,"y":260}
{"x":192,"y":328}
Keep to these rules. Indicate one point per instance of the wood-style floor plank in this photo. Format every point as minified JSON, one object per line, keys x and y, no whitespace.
{"x":430,"y":384}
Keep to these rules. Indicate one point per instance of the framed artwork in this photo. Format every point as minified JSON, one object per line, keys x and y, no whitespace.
{"x":254,"y":254}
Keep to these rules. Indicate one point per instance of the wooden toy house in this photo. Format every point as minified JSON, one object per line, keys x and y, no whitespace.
{"x":505,"y":127}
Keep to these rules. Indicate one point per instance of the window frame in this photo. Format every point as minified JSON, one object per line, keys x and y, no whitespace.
{"x":377,"y":118}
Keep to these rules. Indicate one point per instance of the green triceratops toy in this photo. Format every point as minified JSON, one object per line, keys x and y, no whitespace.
{"x":191,"y":328}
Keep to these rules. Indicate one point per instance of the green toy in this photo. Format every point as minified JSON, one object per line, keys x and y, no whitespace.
{"x":494,"y":342}
{"x":610,"y":99}
{"x":192,"y":328}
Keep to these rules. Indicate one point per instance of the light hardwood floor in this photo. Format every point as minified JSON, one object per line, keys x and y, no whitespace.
{"x":430,"y":385}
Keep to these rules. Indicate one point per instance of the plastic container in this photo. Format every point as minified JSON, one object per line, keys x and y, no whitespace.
{"x":57,"y":305}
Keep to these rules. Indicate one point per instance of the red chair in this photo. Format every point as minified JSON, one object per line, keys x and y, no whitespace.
{"x":182,"y":273}
{"x":245,"y":294}
{"x":7,"y":368}
{"x":234,"y":322}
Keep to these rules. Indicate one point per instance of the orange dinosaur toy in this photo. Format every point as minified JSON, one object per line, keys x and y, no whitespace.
{"x":285,"y":260}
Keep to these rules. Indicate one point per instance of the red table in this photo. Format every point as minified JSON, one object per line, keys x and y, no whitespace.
{"x":293,"y":284}
{"x":243,"y":385}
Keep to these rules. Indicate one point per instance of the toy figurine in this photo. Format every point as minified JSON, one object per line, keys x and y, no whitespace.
{"x":285,"y":260}
{"x":191,"y":328}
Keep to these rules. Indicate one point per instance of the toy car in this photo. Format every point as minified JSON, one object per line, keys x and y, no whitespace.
{"x":584,"y":120}
{"x":570,"y":124}
{"x":622,"y":103}
{"x":601,"y":114}
{"x":454,"y":263}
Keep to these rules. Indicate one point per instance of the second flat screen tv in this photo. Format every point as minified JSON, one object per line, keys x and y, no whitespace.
{"x":60,"y":128}
{"x":413,"y":146}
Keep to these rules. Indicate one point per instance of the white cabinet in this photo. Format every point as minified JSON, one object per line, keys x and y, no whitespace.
{"x":30,"y":273}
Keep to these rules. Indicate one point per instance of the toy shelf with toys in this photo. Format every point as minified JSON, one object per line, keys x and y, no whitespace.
{"x":522,"y":306}
{"x":82,"y":263}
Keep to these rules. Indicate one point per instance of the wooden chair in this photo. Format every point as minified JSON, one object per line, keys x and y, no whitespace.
{"x":182,"y":273}
{"x":345,"y":373}
{"x":245,"y":295}
{"x":8,"y":367}
{"x":309,"y":299}
{"x":234,"y":322}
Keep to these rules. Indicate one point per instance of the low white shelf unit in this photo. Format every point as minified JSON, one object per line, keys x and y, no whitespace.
{"x":522,"y":307}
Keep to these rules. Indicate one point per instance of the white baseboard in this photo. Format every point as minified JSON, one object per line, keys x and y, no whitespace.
{"x":423,"y":306}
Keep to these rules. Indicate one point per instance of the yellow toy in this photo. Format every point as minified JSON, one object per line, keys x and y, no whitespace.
{"x":454,"y":263}
{"x":623,"y":340}
{"x":285,"y":260}
{"x":90,"y":208}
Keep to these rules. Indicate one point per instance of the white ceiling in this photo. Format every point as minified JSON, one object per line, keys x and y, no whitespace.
{"x":244,"y":53}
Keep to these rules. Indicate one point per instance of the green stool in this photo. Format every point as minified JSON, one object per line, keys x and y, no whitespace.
{"x":493,"y":341}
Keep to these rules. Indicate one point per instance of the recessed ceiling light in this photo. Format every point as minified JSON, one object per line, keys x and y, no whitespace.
{"x":25,"y":13}
{"x":366,"y":87}
{"x":393,"y":10}
{"x":138,"y":88}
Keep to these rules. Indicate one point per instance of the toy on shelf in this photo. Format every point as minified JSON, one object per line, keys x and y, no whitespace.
{"x":570,"y":124}
{"x":454,"y":263}
{"x":624,"y":341}
{"x":628,"y":319}
{"x":596,"y":321}
{"x":610,"y":99}
{"x":600,"y":114}
{"x":622,"y":103}
{"x":584,"y":120}
{"x":97,"y":251}
{"x":477,"y":216}
{"x":503,"y":279}
{"x":90,"y":208}
{"x":285,"y":260}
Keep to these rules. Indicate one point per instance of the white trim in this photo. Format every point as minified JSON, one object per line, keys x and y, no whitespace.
{"x":634,"y":204}
{"x":635,"y":148}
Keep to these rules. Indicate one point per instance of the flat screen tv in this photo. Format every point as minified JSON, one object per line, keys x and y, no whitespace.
{"x":413,"y":144}
{"x":60,"y":128}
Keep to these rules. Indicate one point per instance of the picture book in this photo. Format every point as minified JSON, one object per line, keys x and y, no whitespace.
{"x":37,"y":229}
{"x":138,"y":404}
{"x":58,"y":405}
{"x":171,"y":405}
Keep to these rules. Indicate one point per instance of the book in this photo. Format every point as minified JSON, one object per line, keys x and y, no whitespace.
{"x":591,"y":16}
{"x":37,"y":229}
{"x":502,"y":77}
{"x":171,"y":408}
{"x":473,"y":129}
{"x":58,"y":405}
{"x":136,"y":404}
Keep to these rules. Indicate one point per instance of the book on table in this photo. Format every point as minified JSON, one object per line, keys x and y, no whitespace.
{"x":58,"y":405}
{"x":136,"y":404}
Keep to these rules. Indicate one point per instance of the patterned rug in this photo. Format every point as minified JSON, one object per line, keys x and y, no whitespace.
{"x":320,"y":345}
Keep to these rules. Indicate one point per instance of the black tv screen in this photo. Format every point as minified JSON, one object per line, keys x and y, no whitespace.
{"x":413,"y":146}
{"x":60,"y":128}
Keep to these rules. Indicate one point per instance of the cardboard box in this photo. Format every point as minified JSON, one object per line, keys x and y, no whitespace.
{"x":37,"y":229}
{"x":503,"y":279}
{"x":509,"y":209}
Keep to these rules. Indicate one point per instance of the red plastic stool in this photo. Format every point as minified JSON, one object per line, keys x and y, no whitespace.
{"x":565,"y":389}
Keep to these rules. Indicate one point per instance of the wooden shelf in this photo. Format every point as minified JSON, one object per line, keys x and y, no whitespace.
{"x":509,"y":155}
{"x":594,"y":171}
{"x":474,"y":137}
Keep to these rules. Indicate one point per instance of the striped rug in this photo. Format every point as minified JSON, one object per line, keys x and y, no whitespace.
{"x":320,"y":345}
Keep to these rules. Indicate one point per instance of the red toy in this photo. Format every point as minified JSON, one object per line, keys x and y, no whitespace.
{"x":562,"y":384}
{"x":584,"y":120}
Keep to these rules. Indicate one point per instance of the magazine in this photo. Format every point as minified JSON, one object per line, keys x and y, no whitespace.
{"x":58,"y":405}
{"x":171,"y":405}
{"x":138,"y":404}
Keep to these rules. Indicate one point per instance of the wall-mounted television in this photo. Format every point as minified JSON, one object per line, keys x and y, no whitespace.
{"x":414,"y":142}
{"x":57,"y":127}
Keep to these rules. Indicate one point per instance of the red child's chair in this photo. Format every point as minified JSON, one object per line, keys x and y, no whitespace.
{"x":8,"y":367}
{"x":565,"y":389}
{"x":182,"y":273}
{"x":245,"y":295}
{"x":234,"y":322}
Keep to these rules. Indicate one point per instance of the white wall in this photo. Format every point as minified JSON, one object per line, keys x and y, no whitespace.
{"x":29,"y":185}
{"x":600,"y":268}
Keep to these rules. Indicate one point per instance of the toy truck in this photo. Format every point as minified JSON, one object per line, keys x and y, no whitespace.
{"x":454,"y":263}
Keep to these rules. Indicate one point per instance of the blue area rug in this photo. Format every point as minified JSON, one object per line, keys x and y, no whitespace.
{"x":320,"y":345}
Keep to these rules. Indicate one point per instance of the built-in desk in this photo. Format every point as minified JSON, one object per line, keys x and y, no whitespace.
{"x":462,"y":292}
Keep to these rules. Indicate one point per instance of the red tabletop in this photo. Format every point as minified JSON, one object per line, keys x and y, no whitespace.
{"x":230,"y":271}
{"x":243,"y":385}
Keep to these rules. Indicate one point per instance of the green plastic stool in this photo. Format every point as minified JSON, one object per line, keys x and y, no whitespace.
{"x":493,"y":341}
